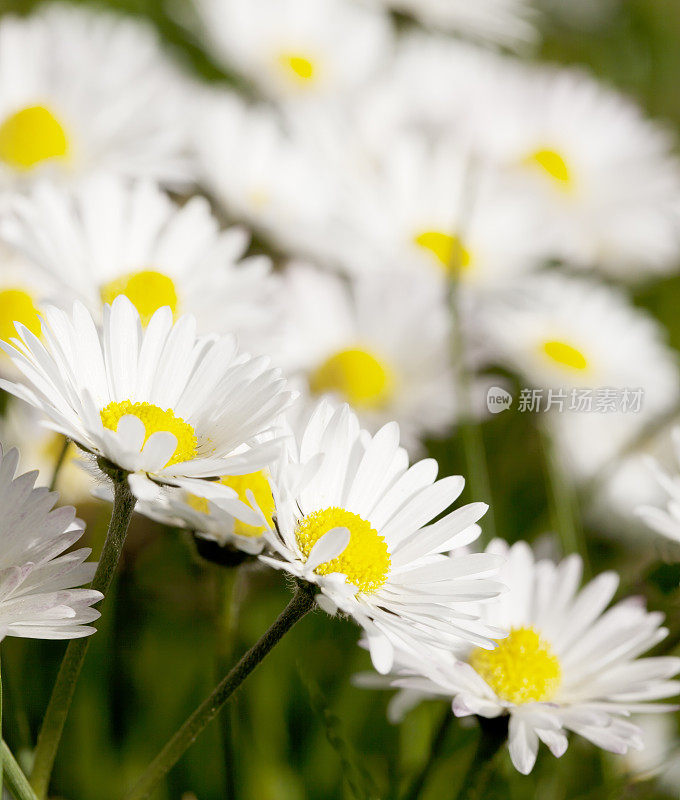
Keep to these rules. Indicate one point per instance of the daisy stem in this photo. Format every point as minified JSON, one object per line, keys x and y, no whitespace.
{"x":301,"y":603}
{"x":493,"y":734}
{"x":61,"y":458}
{"x":470,"y":429}
{"x":416,"y":787}
{"x":563,"y":505}
{"x":15,"y":780}
{"x":71,"y":665}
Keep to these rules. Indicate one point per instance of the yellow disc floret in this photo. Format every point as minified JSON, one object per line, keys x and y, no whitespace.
{"x":552,"y":163}
{"x":565,"y":355}
{"x":258,"y":484}
{"x":522,"y":669}
{"x":31,"y":136}
{"x":365,"y":561}
{"x":16,"y":305}
{"x":155,"y":419}
{"x":147,"y":290}
{"x":447,"y":249}
{"x":298,"y":67}
{"x":357,"y":375}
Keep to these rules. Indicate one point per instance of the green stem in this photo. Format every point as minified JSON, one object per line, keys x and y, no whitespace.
{"x":61,"y":458}
{"x":563,"y":505}
{"x":470,"y":429}
{"x":493,"y":734}
{"x":418,"y":783}
{"x":69,"y":671}
{"x":15,"y":780}
{"x":302,"y":602}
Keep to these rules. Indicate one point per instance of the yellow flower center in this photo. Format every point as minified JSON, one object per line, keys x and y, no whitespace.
{"x":552,"y":163}
{"x":447,"y":249}
{"x":565,"y":355}
{"x":154,"y":419}
{"x":259,"y":485}
{"x":357,"y":375}
{"x":365,"y":561}
{"x":16,"y":305}
{"x":30,"y":136}
{"x":522,"y":669}
{"x":147,"y":290}
{"x":298,"y":67}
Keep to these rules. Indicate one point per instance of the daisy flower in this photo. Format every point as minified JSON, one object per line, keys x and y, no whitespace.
{"x":37,"y":579}
{"x":298,"y":49}
{"x":228,"y":521}
{"x":263,"y":176}
{"x":154,"y":401}
{"x":82,"y":90}
{"x":430,"y":207}
{"x":106,"y":237}
{"x":607,"y":175}
{"x":353,"y":519}
{"x":568,"y":663}
{"x":356,"y":342}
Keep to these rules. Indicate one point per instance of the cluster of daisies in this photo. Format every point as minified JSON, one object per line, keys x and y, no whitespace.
{"x":254,"y":304}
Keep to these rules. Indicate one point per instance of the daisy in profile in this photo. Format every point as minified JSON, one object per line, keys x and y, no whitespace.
{"x":431,"y":207}
{"x":509,"y":23}
{"x":105,"y":237}
{"x":298,"y":49}
{"x":261,"y":175}
{"x":606,"y":174}
{"x":355,"y":520}
{"x":229,"y":521}
{"x":602,"y":367}
{"x":37,"y":577}
{"x":156,"y":401}
{"x":356,"y":342}
{"x":85,"y":90}
{"x":569,"y":663}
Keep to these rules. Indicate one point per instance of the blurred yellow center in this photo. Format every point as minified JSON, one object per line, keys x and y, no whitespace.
{"x":357,"y":375}
{"x":259,"y":485}
{"x":298,"y":67}
{"x":447,"y":249}
{"x":147,"y":290}
{"x":553,"y":164}
{"x":16,"y":305}
{"x":155,"y":419}
{"x":522,"y":669}
{"x":365,"y":561}
{"x":565,"y":355}
{"x":31,"y":136}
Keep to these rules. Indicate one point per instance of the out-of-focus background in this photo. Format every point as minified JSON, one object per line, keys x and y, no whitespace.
{"x":299,"y":728}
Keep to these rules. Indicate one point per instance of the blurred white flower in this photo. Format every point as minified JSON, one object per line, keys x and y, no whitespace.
{"x":352,"y":517}
{"x":381,"y":344}
{"x":298,"y":49}
{"x":39,"y":448}
{"x":157,"y":402}
{"x":261,"y":175}
{"x":509,"y":23}
{"x":602,"y":366}
{"x":37,"y":580}
{"x":84,"y":90}
{"x":605,"y":173}
{"x":434,"y":208}
{"x":665,"y":520}
{"x":567,"y":664}
{"x":106,"y":237}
